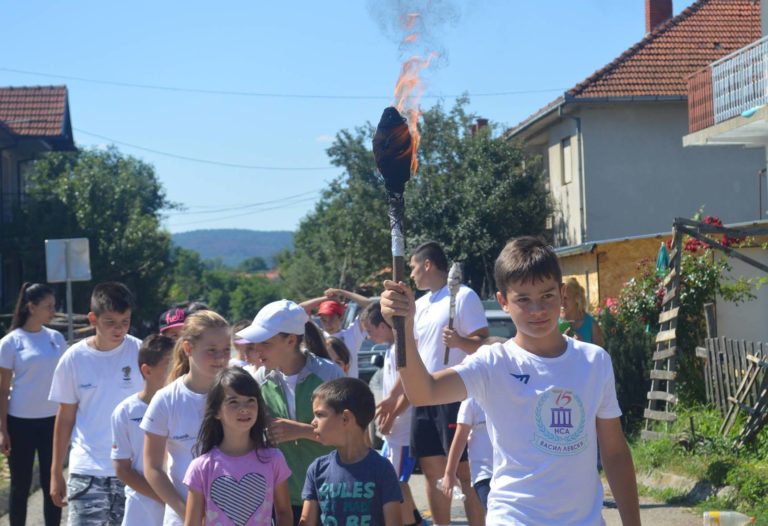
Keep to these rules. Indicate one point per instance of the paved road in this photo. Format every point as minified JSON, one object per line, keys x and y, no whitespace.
{"x":652,"y":513}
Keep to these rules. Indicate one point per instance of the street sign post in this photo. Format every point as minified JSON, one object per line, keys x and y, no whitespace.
{"x":68,"y":260}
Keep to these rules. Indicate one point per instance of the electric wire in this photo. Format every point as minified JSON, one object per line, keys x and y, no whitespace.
{"x":296,"y":203}
{"x":273,"y":95}
{"x":207,"y":161}
{"x":242,"y":207}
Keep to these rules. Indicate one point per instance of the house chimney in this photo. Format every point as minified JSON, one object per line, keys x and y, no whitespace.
{"x":479,"y":124}
{"x":656,"y":13}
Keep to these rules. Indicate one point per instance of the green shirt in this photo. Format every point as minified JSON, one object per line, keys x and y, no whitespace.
{"x":299,"y":454}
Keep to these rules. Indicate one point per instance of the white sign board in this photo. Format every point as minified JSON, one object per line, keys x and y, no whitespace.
{"x":67,"y":260}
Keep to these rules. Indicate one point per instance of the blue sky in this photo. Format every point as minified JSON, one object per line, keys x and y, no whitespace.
{"x":328,"y":48}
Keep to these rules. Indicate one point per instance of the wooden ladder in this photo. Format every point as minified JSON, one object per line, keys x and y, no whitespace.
{"x":661,"y":397}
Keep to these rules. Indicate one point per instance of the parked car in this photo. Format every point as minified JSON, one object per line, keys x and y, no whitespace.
{"x":500,"y":325}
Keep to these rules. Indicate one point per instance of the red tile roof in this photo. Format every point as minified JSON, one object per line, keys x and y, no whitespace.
{"x":660,"y":63}
{"x":39,"y":111}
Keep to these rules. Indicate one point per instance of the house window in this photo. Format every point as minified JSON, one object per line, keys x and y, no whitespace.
{"x":566,"y":161}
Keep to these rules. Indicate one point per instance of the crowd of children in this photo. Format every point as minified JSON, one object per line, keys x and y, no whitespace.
{"x":265,"y":422}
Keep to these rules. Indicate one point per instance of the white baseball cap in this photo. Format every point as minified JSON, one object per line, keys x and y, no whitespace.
{"x":282,"y":316}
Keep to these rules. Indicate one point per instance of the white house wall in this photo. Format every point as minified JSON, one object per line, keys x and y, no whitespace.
{"x":639,"y":177}
{"x":745,"y":321}
{"x":566,"y":197}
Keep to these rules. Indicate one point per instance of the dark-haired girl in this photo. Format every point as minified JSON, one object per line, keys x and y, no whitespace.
{"x":292,"y":361}
{"x":237,"y":477}
{"x":28,"y":357}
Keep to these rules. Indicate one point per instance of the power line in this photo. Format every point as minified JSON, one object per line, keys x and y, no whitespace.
{"x":312,"y":199}
{"x":208,"y":161}
{"x":241,"y":207}
{"x":266,"y":94}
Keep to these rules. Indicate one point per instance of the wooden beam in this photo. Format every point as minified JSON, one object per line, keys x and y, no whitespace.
{"x":728,"y":250}
{"x":662,"y":395}
{"x":656,"y":435}
{"x":666,"y":336}
{"x":663,"y":375}
{"x":671,"y":275}
{"x":669,"y":295}
{"x":659,"y":415}
{"x":668,"y":315}
{"x":665,"y":354}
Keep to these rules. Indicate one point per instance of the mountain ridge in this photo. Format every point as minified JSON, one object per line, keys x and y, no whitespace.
{"x":233,"y":245}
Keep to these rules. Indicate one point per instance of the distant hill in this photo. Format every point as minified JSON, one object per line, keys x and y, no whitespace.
{"x":234,"y":245}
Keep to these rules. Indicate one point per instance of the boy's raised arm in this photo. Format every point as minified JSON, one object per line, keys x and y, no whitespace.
{"x":421,"y":387}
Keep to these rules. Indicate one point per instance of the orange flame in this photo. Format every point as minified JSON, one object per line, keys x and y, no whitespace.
{"x":410,"y":87}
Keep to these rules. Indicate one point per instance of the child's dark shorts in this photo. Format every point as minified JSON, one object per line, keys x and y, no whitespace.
{"x":432,"y":430}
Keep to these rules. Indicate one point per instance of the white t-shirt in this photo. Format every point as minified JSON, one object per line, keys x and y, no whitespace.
{"x":128,"y":443}
{"x":32,"y":356}
{"x":479,"y":442}
{"x":541,"y":415}
{"x":432,"y":316}
{"x":400,"y":434}
{"x":290,"y":393}
{"x":353,"y":337}
{"x":176,"y":412}
{"x":96,"y":381}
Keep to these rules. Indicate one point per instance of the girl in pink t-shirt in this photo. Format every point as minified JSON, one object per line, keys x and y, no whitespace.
{"x":238,"y":478}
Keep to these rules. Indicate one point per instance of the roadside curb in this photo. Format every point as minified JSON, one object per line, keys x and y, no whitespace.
{"x":693,"y":490}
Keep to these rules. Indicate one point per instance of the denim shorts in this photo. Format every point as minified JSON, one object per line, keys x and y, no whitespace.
{"x":95,"y":501}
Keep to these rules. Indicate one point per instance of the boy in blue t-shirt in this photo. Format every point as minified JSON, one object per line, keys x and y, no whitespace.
{"x":353,"y":485}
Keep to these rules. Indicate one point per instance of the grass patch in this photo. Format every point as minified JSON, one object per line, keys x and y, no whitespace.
{"x":707,"y":456}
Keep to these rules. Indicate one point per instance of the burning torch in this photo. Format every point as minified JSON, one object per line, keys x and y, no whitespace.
{"x":454,"y":283}
{"x":393,"y":151}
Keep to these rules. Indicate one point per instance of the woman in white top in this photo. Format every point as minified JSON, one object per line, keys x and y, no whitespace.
{"x":28,"y":357}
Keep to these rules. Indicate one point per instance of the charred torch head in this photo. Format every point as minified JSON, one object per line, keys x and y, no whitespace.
{"x":393,"y":150}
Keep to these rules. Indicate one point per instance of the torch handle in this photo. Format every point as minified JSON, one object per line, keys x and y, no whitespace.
{"x":450,"y":326}
{"x":398,"y":275}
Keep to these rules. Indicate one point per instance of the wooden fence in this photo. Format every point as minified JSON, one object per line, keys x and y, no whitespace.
{"x":736,"y":381}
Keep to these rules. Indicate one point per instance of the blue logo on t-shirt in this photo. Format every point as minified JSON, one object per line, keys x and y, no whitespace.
{"x":522,"y":377}
{"x":560,"y":422}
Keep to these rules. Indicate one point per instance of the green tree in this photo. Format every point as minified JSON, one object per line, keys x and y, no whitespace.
{"x":114,"y":200}
{"x":253,"y":264}
{"x":473,"y":191}
{"x":250,"y":295}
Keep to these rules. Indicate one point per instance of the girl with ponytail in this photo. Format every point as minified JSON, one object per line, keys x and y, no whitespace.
{"x":173,"y":418}
{"x":29,"y":354}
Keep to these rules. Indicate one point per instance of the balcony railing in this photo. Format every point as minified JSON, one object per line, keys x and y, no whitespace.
{"x":727,"y":88}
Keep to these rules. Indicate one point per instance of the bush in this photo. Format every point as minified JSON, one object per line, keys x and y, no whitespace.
{"x":631,"y":347}
{"x":630,"y":325}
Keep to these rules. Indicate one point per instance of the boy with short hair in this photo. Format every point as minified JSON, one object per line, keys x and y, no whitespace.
{"x":92,"y":377}
{"x":142,"y":505}
{"x":549,"y":400}
{"x":354,"y":484}
{"x":395,"y":426}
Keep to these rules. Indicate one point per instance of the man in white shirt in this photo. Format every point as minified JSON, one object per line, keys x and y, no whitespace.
{"x":434,"y":426}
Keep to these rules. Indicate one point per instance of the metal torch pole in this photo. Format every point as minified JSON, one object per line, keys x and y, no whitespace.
{"x":396,"y":215}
